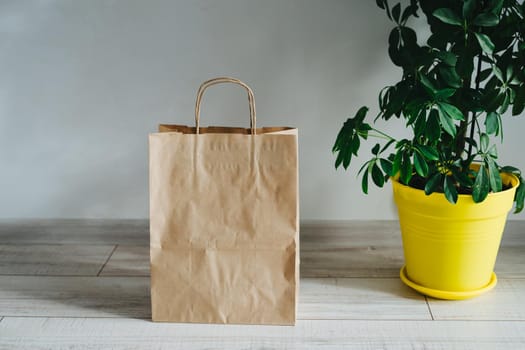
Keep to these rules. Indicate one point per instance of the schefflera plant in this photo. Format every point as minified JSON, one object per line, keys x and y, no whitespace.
{"x":454,"y":94}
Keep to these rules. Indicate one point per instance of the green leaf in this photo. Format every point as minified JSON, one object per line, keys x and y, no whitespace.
{"x":510,"y":169}
{"x":402,"y":143}
{"x":498,"y":73}
{"x":448,"y":16}
{"x":387,"y":166}
{"x":433,"y":130}
{"x":492,"y":100}
{"x":413,"y":108}
{"x":412,"y":114}
{"x":468,"y":8}
{"x":447,"y":123}
{"x":484,"y":142}
{"x":480,"y":190}
{"x":486,"y":44}
{"x":360,"y":115}
{"x":364,"y":128}
{"x":375,"y":150}
{"x":516,"y":79}
{"x":339,"y":159}
{"x":364,"y":166}
{"x":450,"y":76}
{"x":427,"y":84}
{"x":364,"y":182}
{"x":387,"y":145}
{"x":447,"y":57}
{"x":505,"y":104}
{"x":486,"y":20}
{"x":493,"y":152}
{"x":519,"y":101}
{"x":443,"y":94}
{"x":520,"y":196}
{"x":354,"y":145}
{"x":347,"y":141}
{"x":347,"y":156}
{"x":396,"y":12}
{"x":420,"y":165}
{"x":452,"y":111}
{"x":383,"y":97}
{"x":500,"y":127}
{"x":509,"y":73}
{"x":491,"y":123}
{"x":339,"y":140}
{"x":484,"y":74}
{"x":433,"y":183}
{"x":494,"y":177}
{"x":495,"y":6}
{"x":419,"y":126}
{"x":512,"y":94}
{"x":465,"y":65}
{"x":451,"y":192}
{"x":409,"y":36}
{"x":462,"y":178}
{"x":406,"y":169}
{"x":377,"y":176}
{"x":380,"y":3}
{"x":429,"y":152}
{"x":396,"y":165}
{"x":409,"y":10}
{"x":394,"y":50}
{"x":343,"y":144}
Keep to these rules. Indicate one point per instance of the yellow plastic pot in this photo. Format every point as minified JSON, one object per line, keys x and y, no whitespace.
{"x":450,"y":250}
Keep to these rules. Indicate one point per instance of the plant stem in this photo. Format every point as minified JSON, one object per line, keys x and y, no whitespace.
{"x":379,"y":136}
{"x":463,"y":125}
{"x":474,"y":115}
{"x":382,"y":133}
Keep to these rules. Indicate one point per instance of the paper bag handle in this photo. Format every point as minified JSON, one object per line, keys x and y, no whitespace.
{"x":206,"y":84}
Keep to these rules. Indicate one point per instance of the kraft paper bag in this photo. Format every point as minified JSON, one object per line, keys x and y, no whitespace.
{"x":224,"y":222}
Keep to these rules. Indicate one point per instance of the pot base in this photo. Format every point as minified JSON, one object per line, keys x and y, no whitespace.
{"x":443,"y":294}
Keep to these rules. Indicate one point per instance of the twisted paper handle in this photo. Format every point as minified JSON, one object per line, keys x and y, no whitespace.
{"x":206,"y":84}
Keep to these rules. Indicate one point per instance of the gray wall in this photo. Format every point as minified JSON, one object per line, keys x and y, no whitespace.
{"x":83,"y":82}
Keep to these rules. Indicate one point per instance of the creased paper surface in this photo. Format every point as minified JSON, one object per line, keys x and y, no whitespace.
{"x":224,"y":225}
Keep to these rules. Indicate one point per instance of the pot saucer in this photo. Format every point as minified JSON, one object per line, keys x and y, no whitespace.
{"x":449,"y":295}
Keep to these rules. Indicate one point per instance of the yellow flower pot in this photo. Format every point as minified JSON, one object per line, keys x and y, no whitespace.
{"x":450,"y":250}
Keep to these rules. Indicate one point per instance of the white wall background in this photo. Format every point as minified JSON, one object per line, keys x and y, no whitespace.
{"x":83,"y":82}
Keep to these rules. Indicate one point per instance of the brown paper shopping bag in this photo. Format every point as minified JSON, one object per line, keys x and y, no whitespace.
{"x":224,"y":222}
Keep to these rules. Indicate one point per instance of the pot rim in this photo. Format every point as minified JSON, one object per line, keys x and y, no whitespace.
{"x":509,"y":177}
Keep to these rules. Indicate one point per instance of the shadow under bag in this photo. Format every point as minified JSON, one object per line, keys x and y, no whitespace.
{"x":224,"y":222}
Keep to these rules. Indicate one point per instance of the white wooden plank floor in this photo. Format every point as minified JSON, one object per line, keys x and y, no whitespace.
{"x":84,"y":284}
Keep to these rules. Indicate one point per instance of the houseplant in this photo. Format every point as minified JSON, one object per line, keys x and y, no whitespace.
{"x":454,"y":93}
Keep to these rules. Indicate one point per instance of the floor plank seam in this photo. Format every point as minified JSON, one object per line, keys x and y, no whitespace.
{"x":82,"y":317}
{"x":351,"y":277}
{"x":59,"y":275}
{"x":69,"y":276}
{"x":119,"y":276}
{"x":298,"y":319}
{"x":22,"y":243}
{"x":58,"y":244}
{"x":107,"y":260}
{"x":429,"y":309}
{"x":148,"y":319}
{"x":366,"y":319}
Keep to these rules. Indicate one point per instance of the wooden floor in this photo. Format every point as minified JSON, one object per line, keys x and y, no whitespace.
{"x":68,"y":284}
